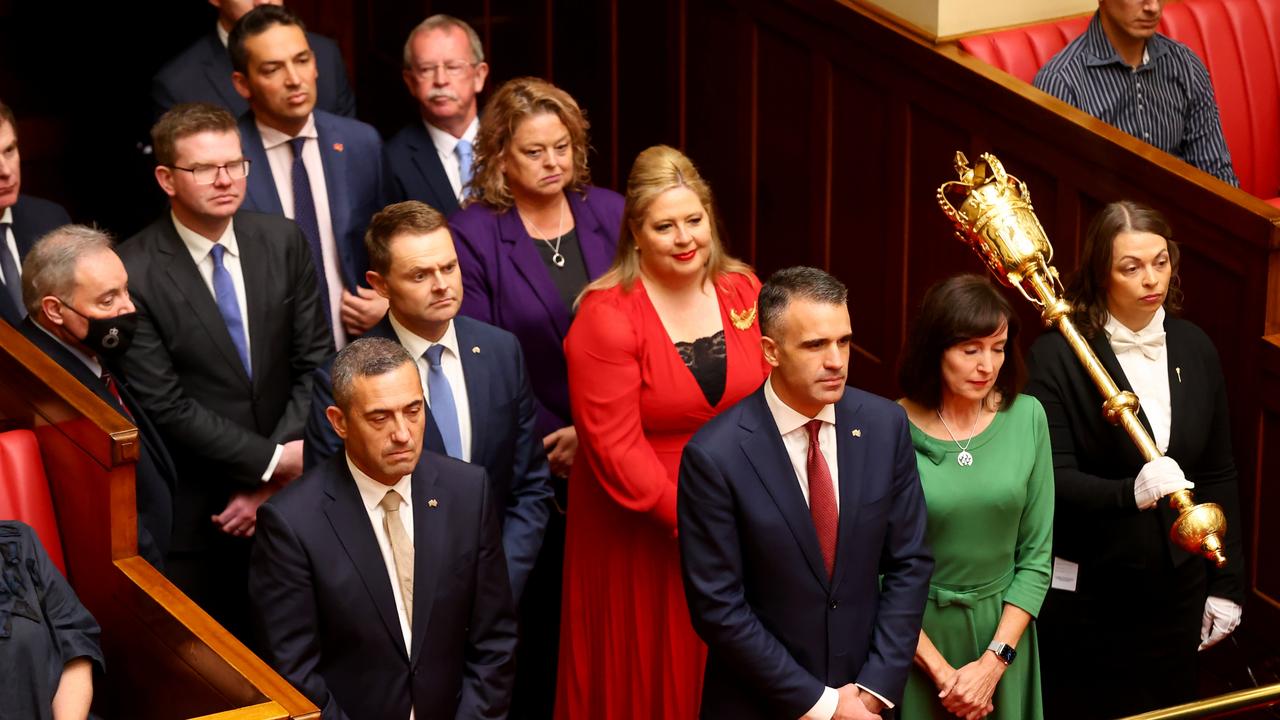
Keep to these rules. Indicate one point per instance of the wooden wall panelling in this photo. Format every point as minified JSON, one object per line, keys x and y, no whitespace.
{"x":585,"y":67}
{"x":1265,"y":491}
{"x":648,"y":87}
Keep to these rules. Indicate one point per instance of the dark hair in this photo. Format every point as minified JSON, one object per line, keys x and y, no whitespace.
{"x":254,"y":23}
{"x":186,"y":120}
{"x":957,"y":309}
{"x":365,"y":357}
{"x":392,"y":220}
{"x":805,"y":283}
{"x":6,"y":116}
{"x":1087,"y":287}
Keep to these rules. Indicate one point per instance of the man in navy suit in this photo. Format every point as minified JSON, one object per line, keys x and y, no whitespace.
{"x":81,"y":316}
{"x":414,"y":265}
{"x":378,"y":580}
{"x":322,"y":171}
{"x":202,"y":72}
{"x":431,"y":158}
{"x":802,"y":526}
{"x":23,"y":220}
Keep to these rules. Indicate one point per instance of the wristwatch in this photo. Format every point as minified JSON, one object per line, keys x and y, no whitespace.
{"x":1004,"y":651}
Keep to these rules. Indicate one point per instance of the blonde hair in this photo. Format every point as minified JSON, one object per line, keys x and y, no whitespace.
{"x":516,"y":101}
{"x":655,"y":171}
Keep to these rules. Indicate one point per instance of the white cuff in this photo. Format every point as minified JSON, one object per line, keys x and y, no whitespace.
{"x":271,"y":467}
{"x":879,"y":697}
{"x":825,"y":708}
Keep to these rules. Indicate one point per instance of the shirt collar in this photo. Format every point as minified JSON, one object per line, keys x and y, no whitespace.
{"x":223,"y":35}
{"x":199,"y":246}
{"x":6,"y":217}
{"x":1102,"y":53}
{"x":786,"y":418}
{"x":372,"y":491}
{"x":445,"y":143}
{"x":416,"y":345}
{"x":89,"y":361}
{"x":1153,"y":332}
{"x":272,"y":137}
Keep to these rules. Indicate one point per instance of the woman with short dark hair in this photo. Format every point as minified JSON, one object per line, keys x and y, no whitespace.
{"x":987,"y":471}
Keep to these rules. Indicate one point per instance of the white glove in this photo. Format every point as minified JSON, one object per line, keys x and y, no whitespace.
{"x":1221,"y":616}
{"x":1156,"y":479}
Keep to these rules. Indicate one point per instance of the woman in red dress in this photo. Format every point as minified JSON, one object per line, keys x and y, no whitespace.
{"x":662,"y":342}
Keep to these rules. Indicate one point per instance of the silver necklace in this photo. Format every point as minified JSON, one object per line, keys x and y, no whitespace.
{"x":556,"y":257}
{"x":965,"y":458}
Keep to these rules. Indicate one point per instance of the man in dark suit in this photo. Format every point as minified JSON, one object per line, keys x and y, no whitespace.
{"x":802,"y":525}
{"x":23,"y":220}
{"x":229,"y":333}
{"x":488,"y":417}
{"x":202,"y":72}
{"x":378,"y":580}
{"x":81,"y":316}
{"x":320,"y":170}
{"x":431,"y":158}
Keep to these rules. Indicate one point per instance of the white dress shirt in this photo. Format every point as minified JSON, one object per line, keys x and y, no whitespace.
{"x":201,"y":249}
{"x":445,"y":147}
{"x":450,"y":364}
{"x":1148,"y":376}
{"x":280,"y":158}
{"x":791,"y":425}
{"x":371,"y":494}
{"x":11,"y":242}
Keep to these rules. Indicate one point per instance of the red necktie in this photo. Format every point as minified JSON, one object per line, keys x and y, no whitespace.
{"x":115,"y":393}
{"x":822,"y":497}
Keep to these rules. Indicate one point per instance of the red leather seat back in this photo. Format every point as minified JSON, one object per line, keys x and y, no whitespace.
{"x":24,"y":490}
{"x":1239,"y":42}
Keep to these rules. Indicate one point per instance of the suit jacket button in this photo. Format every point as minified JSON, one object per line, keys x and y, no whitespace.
{"x":835,"y":604}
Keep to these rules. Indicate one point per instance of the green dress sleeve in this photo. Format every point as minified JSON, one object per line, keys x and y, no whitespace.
{"x":1032,"y":556}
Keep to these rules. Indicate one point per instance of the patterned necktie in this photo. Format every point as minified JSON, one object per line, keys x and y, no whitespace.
{"x":304,"y":214}
{"x":110,"y":382}
{"x":12,"y":279}
{"x":224,"y":293}
{"x":401,"y":548}
{"x":466,"y":154}
{"x":443,"y":408}
{"x":822,"y":497}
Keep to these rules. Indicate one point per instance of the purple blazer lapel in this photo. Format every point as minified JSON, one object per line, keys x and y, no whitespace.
{"x":523,"y":256}
{"x":593,"y":237}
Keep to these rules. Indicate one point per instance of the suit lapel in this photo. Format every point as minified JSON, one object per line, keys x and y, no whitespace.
{"x":255,"y":268}
{"x":427,"y":160}
{"x":1107,"y":356}
{"x":261,"y":188}
{"x":522,"y":255}
{"x":430,"y":547}
{"x":333,"y":159}
{"x":764,"y":449}
{"x":186,"y":279}
{"x":1179,"y":365}
{"x":851,"y":461}
{"x":475,"y":373}
{"x":350,"y":522}
{"x":597,"y":251}
{"x":217,"y":69}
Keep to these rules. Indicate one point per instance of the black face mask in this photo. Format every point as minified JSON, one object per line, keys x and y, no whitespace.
{"x":108,"y":337}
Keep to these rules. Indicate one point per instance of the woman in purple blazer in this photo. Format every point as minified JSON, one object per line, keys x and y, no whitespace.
{"x":531,"y":236}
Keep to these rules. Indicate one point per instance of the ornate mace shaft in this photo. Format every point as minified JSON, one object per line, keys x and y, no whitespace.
{"x":996,"y":220}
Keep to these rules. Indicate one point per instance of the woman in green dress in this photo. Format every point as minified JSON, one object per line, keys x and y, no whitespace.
{"x":987,"y":471}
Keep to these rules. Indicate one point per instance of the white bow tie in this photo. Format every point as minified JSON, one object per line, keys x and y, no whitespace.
{"x":1148,"y":343}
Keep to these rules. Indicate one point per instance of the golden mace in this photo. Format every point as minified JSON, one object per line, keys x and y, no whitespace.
{"x":996,"y":220}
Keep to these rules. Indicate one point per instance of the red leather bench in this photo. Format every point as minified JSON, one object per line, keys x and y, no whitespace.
{"x":1238,"y":41}
{"x":24,"y":491}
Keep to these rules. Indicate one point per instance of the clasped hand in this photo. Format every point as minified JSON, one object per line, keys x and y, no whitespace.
{"x":855,"y":704}
{"x":967,"y":692}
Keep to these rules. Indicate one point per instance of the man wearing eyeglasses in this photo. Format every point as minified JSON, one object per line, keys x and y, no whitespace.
{"x":229,"y":330}
{"x":430,"y":159}
{"x":320,"y":170}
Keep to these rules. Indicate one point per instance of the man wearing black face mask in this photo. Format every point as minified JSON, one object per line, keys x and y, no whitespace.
{"x":76,"y":293}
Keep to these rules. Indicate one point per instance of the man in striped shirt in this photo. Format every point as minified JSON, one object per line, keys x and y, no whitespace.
{"x":1125,"y":73}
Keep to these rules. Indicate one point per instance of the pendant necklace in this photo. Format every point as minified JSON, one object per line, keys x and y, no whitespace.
{"x":556,"y":257}
{"x":965,"y":458}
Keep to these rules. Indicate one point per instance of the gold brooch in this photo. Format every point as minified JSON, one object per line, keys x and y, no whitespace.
{"x":742,"y":319}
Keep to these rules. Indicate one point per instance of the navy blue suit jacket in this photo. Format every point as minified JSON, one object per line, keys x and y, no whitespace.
{"x":777,"y":628}
{"x":322,"y":598}
{"x":416,"y":172}
{"x":202,"y":73}
{"x":154,"y":474}
{"x":351,"y":153}
{"x":32,"y":218}
{"x":507,"y":284}
{"x":503,"y":438}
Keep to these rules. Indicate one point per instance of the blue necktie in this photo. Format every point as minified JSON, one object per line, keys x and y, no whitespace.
{"x":465,"y":155}
{"x":443,"y":408}
{"x":224,"y":293}
{"x":304,"y":214}
{"x":12,"y":279}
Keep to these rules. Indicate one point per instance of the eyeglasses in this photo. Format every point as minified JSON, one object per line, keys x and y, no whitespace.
{"x":452,"y":69}
{"x":208,"y":174}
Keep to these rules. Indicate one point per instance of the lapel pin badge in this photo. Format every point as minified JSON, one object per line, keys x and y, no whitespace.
{"x":857,"y":432}
{"x":1179,"y":371}
{"x":338,"y":147}
{"x":433,"y":502}
{"x":475,"y":349}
